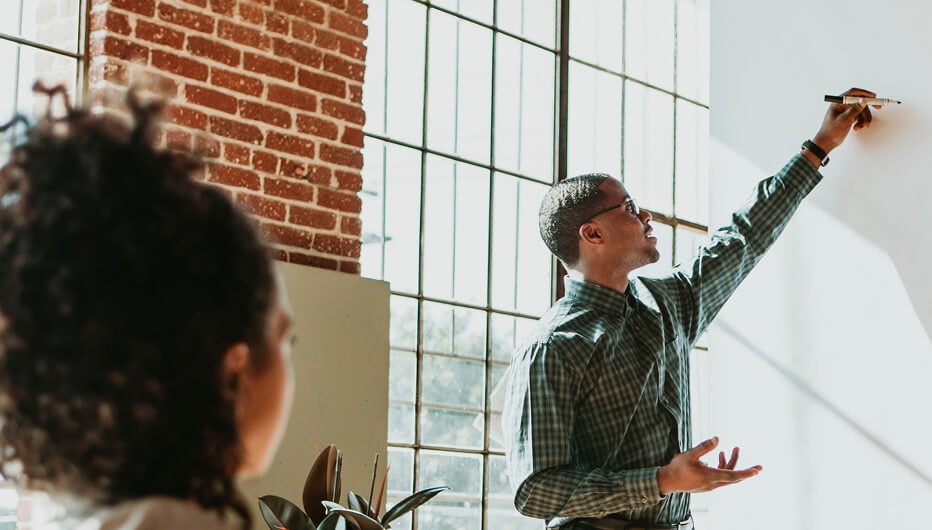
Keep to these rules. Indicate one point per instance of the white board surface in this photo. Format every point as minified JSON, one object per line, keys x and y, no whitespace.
{"x":821,"y":361}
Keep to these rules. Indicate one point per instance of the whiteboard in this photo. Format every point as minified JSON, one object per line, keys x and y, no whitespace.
{"x":820,"y":363}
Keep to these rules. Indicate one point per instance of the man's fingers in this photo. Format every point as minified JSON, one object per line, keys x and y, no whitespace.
{"x":704,"y":448}
{"x":730,"y":476}
{"x":859,"y":92}
{"x":734,"y":458}
{"x":721,"y":459}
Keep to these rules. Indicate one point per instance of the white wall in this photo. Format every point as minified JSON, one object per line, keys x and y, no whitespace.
{"x":821,"y":362}
{"x":341,"y":382}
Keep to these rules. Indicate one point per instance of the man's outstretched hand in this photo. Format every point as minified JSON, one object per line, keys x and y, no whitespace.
{"x":687,"y":473}
{"x":841,"y":118}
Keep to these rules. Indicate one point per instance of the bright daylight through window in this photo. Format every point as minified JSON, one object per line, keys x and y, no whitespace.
{"x":465,"y":130}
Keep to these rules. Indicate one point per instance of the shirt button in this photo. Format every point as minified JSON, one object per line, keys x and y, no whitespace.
{"x":643,"y":500}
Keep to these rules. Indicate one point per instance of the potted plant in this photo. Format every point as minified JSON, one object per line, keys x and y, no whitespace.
{"x":320,"y":496}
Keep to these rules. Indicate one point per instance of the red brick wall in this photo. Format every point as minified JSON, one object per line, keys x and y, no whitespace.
{"x":269,"y":90}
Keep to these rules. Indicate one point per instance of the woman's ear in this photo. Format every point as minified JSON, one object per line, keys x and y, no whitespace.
{"x":235,"y":360}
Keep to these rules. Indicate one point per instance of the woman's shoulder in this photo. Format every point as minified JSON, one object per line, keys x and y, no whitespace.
{"x":162,"y":512}
{"x":149,"y":513}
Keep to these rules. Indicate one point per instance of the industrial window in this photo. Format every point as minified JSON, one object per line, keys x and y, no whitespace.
{"x":474,"y":108}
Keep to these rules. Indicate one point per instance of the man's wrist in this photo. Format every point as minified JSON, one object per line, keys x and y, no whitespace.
{"x":817,"y":150}
{"x":816,"y":161}
{"x":663,"y":481}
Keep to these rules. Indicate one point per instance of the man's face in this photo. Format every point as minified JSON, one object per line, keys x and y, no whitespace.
{"x":626,"y":230}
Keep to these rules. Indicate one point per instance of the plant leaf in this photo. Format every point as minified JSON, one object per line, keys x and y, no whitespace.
{"x":269,"y":516}
{"x":356,"y":502}
{"x":358,"y":520}
{"x":281,"y":513}
{"x":317,"y":487}
{"x":410,"y":503}
{"x":331,"y":522}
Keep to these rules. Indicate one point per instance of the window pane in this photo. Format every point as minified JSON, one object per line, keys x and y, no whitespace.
{"x":400,"y":483}
{"x":664,"y":235}
{"x":54,"y":23}
{"x":452,"y":396}
{"x":649,"y":147}
{"x":692,"y":162}
{"x":480,"y":10}
{"x":649,"y":41}
{"x":10,"y":22}
{"x":687,"y":243}
{"x":394,"y":90}
{"x":459,"y":84}
{"x":400,"y":423}
{"x":502,"y":513}
{"x":456,"y":230}
{"x":52,"y":69}
{"x":595,"y":32}
{"x":454,"y":330}
{"x":496,"y":404}
{"x":594,"y":135}
{"x":402,"y":376}
{"x":521,"y":266}
{"x":508,"y":332}
{"x":459,"y":508}
{"x":390,"y":217}
{"x":535,"y":20}
{"x":524,"y":109}
{"x":404,"y":323}
{"x":451,"y":428}
{"x":692,"y":50}
{"x":8,"y":90}
{"x":402,"y":392}
{"x":458,"y":383}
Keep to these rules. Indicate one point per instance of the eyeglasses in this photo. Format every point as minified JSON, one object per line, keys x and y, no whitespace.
{"x":630,"y":205}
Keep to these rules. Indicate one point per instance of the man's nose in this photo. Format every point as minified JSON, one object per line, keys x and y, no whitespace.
{"x":645,"y":216}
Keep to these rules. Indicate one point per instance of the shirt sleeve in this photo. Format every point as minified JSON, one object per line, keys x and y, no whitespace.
{"x":702,"y":287}
{"x":538,"y":423}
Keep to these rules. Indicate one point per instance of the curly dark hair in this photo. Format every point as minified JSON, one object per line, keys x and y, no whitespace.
{"x":564,"y":208}
{"x":123,"y":282}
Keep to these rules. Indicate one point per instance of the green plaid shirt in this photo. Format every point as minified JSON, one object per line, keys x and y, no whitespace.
{"x":598,"y":397}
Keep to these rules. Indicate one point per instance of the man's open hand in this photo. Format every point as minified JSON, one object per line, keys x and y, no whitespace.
{"x":687,"y":473}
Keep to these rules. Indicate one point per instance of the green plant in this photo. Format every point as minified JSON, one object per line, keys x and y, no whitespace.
{"x":320,"y":495}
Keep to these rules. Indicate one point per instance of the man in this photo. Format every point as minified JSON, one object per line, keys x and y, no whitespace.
{"x":597,"y":413}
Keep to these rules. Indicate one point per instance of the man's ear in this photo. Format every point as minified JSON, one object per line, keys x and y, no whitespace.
{"x":590,"y":233}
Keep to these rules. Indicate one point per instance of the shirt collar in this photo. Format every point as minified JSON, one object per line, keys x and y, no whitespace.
{"x":603,"y":298}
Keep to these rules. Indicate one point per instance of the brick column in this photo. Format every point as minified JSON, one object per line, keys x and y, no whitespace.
{"x":269,"y":90}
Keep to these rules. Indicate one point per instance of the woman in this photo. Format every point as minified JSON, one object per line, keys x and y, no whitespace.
{"x":144,"y":337}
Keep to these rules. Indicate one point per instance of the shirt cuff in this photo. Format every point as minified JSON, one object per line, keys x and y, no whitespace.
{"x":801,"y":173}
{"x":641,"y":486}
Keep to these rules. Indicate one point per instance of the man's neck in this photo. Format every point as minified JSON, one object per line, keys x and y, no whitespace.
{"x":614,"y":279}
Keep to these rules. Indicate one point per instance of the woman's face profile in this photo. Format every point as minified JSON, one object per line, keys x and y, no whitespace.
{"x":265,"y":392}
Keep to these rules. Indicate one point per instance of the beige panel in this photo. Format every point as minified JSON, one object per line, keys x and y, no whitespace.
{"x":341,"y":382}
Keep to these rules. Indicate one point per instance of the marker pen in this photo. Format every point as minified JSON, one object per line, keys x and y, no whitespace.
{"x":852,"y":100}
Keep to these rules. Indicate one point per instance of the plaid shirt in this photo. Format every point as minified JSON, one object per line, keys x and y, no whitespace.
{"x":598,"y":397}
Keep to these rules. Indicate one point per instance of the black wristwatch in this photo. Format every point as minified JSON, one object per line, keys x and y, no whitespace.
{"x":817,"y":151}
